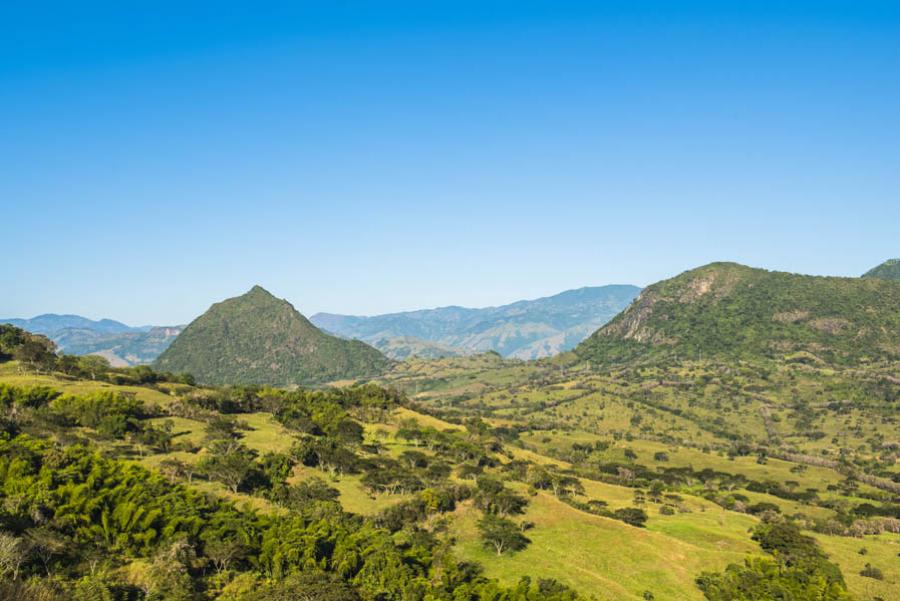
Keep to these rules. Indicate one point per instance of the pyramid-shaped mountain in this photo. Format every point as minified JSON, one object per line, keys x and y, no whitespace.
{"x":259,"y":339}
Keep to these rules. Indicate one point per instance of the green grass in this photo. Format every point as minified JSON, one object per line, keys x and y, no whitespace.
{"x":11,"y":374}
{"x":605,"y":557}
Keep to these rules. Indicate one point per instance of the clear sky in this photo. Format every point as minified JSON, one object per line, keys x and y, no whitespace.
{"x":365,"y":157}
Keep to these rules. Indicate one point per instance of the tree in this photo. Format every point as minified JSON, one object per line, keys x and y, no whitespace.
{"x":230,"y":466}
{"x":13,"y":553}
{"x":631,"y":515}
{"x":565,"y":485}
{"x":93,"y":365}
{"x":313,"y":586}
{"x":167,"y":575}
{"x":46,"y":545}
{"x":223,"y":552}
{"x":224,"y":430}
{"x":36,"y":354}
{"x":493,"y":497}
{"x":93,"y":588}
{"x":173,"y":469}
{"x":501,"y":534}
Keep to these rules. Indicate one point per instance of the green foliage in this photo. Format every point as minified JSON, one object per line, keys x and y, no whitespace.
{"x":92,"y":507}
{"x":798,"y":570}
{"x":102,"y":408}
{"x":631,"y":515}
{"x":501,"y":534}
{"x":31,"y":397}
{"x":889,"y":270}
{"x":258,"y":339}
{"x":492,"y":497}
{"x":729,"y":310}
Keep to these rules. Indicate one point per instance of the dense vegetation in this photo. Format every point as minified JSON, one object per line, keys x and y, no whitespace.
{"x":797,"y":570}
{"x":258,"y":339}
{"x":889,"y":270}
{"x":730,"y":311}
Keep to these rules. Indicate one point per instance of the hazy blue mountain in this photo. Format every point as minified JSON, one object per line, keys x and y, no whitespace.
{"x":119,"y":343}
{"x":50,"y":323}
{"x":525,"y":329}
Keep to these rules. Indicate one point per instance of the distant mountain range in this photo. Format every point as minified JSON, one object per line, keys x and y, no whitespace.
{"x":50,"y":323}
{"x":527,"y":329}
{"x":256,"y":338}
{"x":722,"y":307}
{"x":732,"y":311}
{"x":120,"y":344}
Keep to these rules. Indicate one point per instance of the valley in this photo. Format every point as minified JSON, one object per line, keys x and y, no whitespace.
{"x":631,"y":467}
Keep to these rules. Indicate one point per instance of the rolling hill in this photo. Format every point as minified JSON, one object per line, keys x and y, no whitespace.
{"x":729,"y":310}
{"x":259,"y":339}
{"x":527,"y":329}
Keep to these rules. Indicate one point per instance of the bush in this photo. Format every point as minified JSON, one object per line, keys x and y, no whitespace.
{"x":871,"y":571}
{"x":631,"y":515}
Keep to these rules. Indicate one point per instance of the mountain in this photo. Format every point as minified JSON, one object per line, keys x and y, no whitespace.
{"x":120,"y":344}
{"x":50,"y":323}
{"x":127,"y":348}
{"x":729,"y":310}
{"x":889,"y":270}
{"x":527,"y":329}
{"x":259,"y":339}
{"x":404,"y":347}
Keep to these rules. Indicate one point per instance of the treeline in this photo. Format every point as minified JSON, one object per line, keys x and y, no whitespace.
{"x":796,"y":569}
{"x":44,"y":411}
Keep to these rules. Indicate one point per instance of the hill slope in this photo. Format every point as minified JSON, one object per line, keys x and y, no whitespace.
{"x":525,"y":329}
{"x":889,"y":270}
{"x":259,"y":339}
{"x":730,"y":310}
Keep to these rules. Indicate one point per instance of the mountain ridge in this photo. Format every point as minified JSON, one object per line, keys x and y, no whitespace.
{"x":732,"y":310}
{"x":525,"y":329}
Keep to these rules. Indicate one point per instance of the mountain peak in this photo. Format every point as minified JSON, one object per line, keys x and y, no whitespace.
{"x":257,"y":338}
{"x":889,"y":270}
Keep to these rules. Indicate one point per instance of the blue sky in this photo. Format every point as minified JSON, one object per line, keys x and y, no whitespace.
{"x":366,"y":157}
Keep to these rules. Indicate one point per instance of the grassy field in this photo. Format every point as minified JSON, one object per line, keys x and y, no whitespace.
{"x":605,"y":557}
{"x":10,"y":373}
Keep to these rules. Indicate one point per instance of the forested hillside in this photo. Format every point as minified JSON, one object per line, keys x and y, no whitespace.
{"x":889,"y":270}
{"x":256,"y":338}
{"x":732,"y":311}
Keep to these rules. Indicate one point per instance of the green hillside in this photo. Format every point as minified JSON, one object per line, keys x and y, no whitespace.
{"x":889,"y":270}
{"x":729,"y":310}
{"x":259,"y":339}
